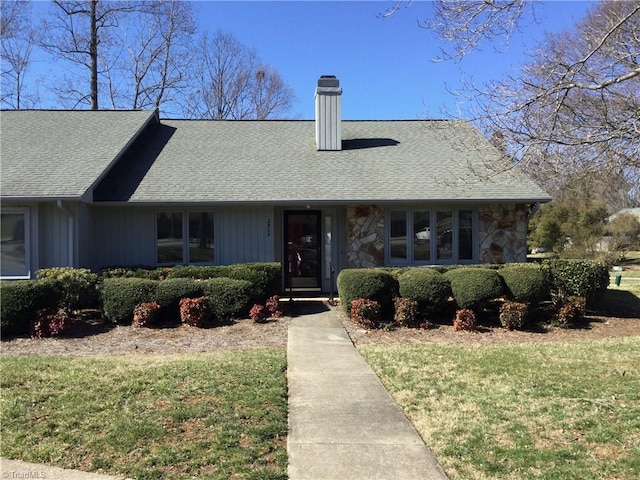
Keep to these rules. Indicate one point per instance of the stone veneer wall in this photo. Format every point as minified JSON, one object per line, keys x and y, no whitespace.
{"x":503,"y":233}
{"x":365,"y":236}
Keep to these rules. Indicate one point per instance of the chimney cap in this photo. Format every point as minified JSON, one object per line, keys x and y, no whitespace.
{"x":328,"y":81}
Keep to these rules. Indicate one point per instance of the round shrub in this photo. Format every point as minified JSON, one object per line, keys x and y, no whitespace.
{"x":228,"y":297}
{"x":525,"y":283}
{"x":427,"y":286}
{"x":406,"y":311}
{"x":77,"y":287}
{"x":19,"y":301}
{"x":146,"y":314}
{"x":366,"y":313}
{"x":195,"y":311}
{"x":169,"y":293}
{"x":121,"y":295}
{"x":465,"y":320}
{"x":473,"y":287}
{"x":368,"y":283}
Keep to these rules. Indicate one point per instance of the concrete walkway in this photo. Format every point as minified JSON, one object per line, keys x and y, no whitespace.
{"x":343,"y":424}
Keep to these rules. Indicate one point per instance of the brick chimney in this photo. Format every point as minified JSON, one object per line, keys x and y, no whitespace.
{"x":328,"y":113}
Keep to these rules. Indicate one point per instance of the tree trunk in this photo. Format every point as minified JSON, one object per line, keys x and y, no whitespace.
{"x":93,"y":49}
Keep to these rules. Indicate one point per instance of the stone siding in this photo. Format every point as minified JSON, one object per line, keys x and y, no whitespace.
{"x":365,"y":237}
{"x":503,"y":233}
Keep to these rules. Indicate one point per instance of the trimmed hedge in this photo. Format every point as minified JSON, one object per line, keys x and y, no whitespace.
{"x":368,"y":283}
{"x":228,"y":297}
{"x":473,"y":287}
{"x":525,"y":283}
{"x":427,"y":286}
{"x":19,"y":300}
{"x":169,"y":292}
{"x":121,"y":295}
{"x":77,"y":287}
{"x":150,"y":273}
{"x":583,"y":278}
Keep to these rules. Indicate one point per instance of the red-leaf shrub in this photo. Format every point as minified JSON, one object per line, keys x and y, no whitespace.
{"x":465,"y":320}
{"x":406,"y":311}
{"x":365,"y":313}
{"x":258,"y":313}
{"x":195,"y":311}
{"x":513,"y":315}
{"x":571,"y":312}
{"x":49,"y":322}
{"x":146,"y":314}
{"x":274,"y":306}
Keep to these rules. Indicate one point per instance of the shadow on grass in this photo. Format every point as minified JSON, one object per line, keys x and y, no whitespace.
{"x":618,"y":303}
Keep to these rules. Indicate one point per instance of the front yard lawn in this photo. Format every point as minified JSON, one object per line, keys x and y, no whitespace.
{"x":549,"y":411}
{"x":215,"y":415}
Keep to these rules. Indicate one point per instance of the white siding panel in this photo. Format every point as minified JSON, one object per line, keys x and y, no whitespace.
{"x":244,"y":235}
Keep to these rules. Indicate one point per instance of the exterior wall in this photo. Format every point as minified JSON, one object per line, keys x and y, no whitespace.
{"x":365,"y":236}
{"x":59,"y":226}
{"x":503,"y":233}
{"x":126,"y":236}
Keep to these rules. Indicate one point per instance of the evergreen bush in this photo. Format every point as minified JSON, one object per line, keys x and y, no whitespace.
{"x":525,"y":282}
{"x":428,"y":287}
{"x":169,"y":292}
{"x":121,"y":295}
{"x":19,"y":301}
{"x":583,"y":278}
{"x":76,"y":287}
{"x":513,"y":315}
{"x":228,"y":297}
{"x":474,"y":287}
{"x":368,"y":283}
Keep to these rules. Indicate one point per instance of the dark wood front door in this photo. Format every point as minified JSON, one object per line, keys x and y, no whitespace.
{"x":303,"y":249}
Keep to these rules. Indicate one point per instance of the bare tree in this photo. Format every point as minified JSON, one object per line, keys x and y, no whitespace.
{"x":232,"y":83}
{"x":17,"y":38}
{"x":154,"y":60}
{"x":573,"y":109}
{"x":76,"y":32}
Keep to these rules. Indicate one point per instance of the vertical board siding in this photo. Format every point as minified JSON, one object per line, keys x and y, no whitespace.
{"x":123,"y":237}
{"x":244,"y":235}
{"x":53,"y":236}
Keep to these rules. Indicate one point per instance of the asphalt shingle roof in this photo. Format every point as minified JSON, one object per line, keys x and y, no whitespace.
{"x":277,"y":162}
{"x":60,"y":154}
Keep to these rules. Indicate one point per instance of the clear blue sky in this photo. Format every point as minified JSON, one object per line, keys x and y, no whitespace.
{"x":384,"y":64}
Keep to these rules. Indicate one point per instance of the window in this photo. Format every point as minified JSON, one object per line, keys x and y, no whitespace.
{"x":14,"y":251}
{"x":174,"y":247}
{"x":425,"y":236}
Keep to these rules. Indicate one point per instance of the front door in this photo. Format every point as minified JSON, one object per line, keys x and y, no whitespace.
{"x":303,"y":249}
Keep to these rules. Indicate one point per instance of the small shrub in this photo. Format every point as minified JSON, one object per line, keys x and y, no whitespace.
{"x":19,"y":300}
{"x":169,"y":293}
{"x":571,"y":312}
{"x":77,"y":287}
{"x":406,"y":311}
{"x":121,"y":295}
{"x":513,"y":315}
{"x":274,"y":306}
{"x":146,"y":314}
{"x":473,"y":288}
{"x":49,"y":322}
{"x":465,"y":320}
{"x":195,"y":311}
{"x":148,"y":273}
{"x":427,"y":286}
{"x":365,"y":312}
{"x":229,"y":298}
{"x":368,"y":283}
{"x":525,"y":283}
{"x":258,"y":313}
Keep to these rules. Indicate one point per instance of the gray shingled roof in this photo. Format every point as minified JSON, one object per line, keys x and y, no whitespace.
{"x":60,"y":154}
{"x":277,"y":162}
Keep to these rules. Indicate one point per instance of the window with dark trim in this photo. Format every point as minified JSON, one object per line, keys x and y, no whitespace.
{"x":14,"y":248}
{"x":184,"y":237}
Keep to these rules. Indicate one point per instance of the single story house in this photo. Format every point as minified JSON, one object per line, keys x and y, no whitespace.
{"x":96,"y":189}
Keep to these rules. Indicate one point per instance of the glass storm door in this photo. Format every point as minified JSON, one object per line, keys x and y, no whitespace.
{"x":303,"y":249}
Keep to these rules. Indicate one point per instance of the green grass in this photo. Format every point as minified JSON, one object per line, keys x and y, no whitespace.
{"x":221,"y":415}
{"x":550,"y":411}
